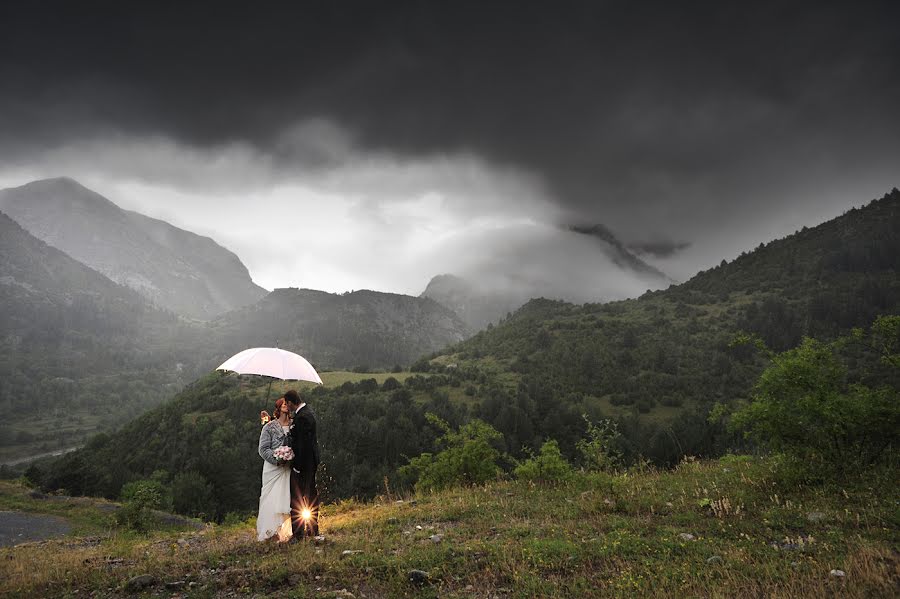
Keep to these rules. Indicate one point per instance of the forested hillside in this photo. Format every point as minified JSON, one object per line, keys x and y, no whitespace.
{"x":362,"y":329}
{"x":669,"y":354}
{"x":76,"y":347}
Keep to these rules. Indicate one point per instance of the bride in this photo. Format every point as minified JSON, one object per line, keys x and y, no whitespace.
{"x":274,"y":517}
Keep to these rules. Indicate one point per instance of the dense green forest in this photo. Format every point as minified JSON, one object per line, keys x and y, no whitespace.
{"x":665,"y":367}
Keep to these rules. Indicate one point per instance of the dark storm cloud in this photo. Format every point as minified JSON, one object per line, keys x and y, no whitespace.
{"x":626,"y":109}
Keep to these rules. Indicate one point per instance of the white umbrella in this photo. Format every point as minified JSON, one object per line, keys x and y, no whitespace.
{"x":273,"y":362}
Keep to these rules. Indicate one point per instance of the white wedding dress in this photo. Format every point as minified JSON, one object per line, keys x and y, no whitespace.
{"x":275,"y":503}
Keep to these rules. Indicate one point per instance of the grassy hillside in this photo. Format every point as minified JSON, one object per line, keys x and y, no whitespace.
{"x":735,"y":527}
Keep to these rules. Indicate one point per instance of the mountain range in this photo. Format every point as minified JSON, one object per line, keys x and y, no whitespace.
{"x":662,"y":370}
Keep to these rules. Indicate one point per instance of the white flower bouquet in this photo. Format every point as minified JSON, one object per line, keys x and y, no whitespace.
{"x":284,"y":453}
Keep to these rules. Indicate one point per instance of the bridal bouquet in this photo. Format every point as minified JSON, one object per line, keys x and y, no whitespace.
{"x":284,"y":453}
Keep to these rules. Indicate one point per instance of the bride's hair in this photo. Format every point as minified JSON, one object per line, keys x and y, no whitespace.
{"x":279,"y":408}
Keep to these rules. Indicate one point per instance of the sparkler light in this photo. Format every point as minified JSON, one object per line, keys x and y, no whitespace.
{"x":306,"y":514}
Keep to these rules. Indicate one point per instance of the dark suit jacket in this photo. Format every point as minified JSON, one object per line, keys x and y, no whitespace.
{"x":303,"y":439}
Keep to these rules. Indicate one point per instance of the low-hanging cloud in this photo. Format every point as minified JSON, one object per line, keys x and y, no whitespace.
{"x":339,"y":217}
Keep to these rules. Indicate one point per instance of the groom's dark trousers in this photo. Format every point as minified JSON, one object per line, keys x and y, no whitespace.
{"x":304,"y":494}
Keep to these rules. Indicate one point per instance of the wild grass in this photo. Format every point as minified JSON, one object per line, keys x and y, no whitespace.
{"x":599,"y":535}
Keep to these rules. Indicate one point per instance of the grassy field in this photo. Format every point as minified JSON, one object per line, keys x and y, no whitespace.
{"x":727,"y":528}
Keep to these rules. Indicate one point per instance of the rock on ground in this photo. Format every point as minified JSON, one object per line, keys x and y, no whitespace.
{"x":140,"y":582}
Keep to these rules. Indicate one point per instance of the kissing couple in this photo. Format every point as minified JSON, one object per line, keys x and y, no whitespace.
{"x":289,"y":500}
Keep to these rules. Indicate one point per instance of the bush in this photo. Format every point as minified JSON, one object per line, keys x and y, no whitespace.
{"x":390,"y":383}
{"x":469,"y":458}
{"x":549,"y":466}
{"x":141,"y":498}
{"x":144,"y":491}
{"x":805,"y":406}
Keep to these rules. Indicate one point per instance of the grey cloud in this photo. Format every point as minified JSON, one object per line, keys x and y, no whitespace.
{"x":681,"y":118}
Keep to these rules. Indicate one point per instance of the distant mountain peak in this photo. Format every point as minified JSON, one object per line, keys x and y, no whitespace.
{"x":173,"y":268}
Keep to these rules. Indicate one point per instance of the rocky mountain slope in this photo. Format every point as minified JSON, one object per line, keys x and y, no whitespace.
{"x":175,"y":269}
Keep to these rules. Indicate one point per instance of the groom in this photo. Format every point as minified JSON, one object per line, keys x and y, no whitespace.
{"x":304,"y":496}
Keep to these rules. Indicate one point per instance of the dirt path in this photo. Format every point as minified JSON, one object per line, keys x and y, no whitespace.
{"x":19,"y":527}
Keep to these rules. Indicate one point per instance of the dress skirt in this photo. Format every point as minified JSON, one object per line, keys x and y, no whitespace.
{"x":274,"y":503}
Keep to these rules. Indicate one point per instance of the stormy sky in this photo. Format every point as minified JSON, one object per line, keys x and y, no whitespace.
{"x":344,"y":145}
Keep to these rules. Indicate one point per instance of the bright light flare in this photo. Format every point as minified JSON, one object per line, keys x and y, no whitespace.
{"x":306,"y":514}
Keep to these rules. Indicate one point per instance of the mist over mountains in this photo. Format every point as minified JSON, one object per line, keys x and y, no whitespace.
{"x":572,"y":263}
{"x":175,"y":269}
{"x":503,"y":265}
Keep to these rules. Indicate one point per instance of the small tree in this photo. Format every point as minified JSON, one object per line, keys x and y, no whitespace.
{"x":549,"y":466}
{"x":469,"y":457}
{"x":600,"y":449}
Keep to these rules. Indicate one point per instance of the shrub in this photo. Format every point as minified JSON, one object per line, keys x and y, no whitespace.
{"x":141,"y":498}
{"x":601,"y":449}
{"x":390,"y":383}
{"x":469,"y":457}
{"x":549,"y":466}
{"x":804,"y":405}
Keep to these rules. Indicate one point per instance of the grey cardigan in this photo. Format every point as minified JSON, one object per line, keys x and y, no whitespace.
{"x":271,"y":437}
